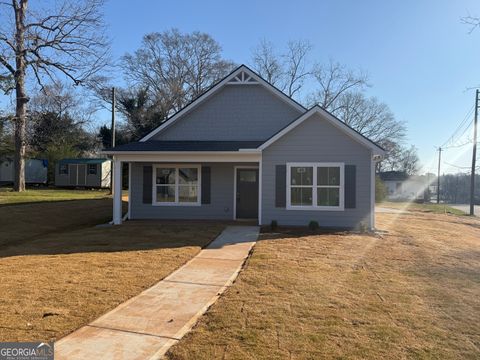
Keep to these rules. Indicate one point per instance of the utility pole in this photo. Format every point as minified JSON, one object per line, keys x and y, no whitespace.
{"x":474,"y":156}
{"x":112,"y":144}
{"x":438,"y":174}
{"x":113,"y":117}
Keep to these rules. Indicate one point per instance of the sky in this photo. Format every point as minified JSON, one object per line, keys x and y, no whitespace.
{"x":420,"y":57}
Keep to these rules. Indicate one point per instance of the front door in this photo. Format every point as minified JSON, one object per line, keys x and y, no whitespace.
{"x":247,"y":194}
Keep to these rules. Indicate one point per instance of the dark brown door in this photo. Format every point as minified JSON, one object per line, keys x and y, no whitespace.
{"x":247,"y":194}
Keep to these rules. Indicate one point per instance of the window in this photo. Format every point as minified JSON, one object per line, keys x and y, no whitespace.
{"x":63,"y":169}
{"x":315,"y":186}
{"x":176,"y":185}
{"x":92,"y":169}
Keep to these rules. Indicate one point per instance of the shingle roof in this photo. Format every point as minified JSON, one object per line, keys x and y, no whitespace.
{"x":186,"y":146}
{"x":393,"y":176}
{"x":83,"y":161}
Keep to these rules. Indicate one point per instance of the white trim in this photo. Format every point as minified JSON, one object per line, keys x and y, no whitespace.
{"x":177,"y":184}
{"x":190,"y":157}
{"x":217,"y":87}
{"x":314,"y":186}
{"x":117,"y":191}
{"x":140,"y":153}
{"x":235,"y":168}
{"x":332,"y":120}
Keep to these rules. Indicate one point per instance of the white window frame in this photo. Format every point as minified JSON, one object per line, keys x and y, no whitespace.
{"x":341,"y":203}
{"x":176,"y":202}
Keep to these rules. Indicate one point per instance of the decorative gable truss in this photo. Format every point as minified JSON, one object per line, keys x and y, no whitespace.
{"x":242,"y":79}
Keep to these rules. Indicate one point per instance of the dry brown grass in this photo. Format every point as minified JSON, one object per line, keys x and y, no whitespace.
{"x":59,"y":272}
{"x":25,"y":222}
{"x":413,"y":292}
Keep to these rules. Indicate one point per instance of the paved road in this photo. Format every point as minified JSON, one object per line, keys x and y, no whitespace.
{"x":466,"y":208}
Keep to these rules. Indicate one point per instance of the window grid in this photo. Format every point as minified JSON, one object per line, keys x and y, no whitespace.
{"x":315,"y":186}
{"x":176,"y":185}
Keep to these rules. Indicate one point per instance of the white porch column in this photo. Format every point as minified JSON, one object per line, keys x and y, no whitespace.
{"x":372,"y":193}
{"x":117,"y":191}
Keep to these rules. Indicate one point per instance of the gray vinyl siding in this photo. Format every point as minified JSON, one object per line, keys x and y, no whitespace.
{"x":221,"y":196}
{"x":236,"y":112}
{"x":315,"y":140}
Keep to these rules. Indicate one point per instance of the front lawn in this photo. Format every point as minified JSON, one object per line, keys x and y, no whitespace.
{"x":59,"y":272}
{"x":411,"y":292}
{"x":7,"y":196}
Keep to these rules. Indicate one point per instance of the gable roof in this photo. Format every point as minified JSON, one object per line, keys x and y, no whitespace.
{"x":377,"y":149}
{"x":241,"y":75}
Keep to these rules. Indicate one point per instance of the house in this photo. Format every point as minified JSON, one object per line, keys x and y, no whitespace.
{"x":401,"y":186}
{"x":35,"y":171}
{"x":245,"y":150}
{"x":95,"y":173}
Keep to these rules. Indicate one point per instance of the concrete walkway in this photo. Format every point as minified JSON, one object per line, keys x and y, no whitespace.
{"x":147,"y":325}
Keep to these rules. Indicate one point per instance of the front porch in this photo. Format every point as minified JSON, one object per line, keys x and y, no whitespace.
{"x":176,"y":186}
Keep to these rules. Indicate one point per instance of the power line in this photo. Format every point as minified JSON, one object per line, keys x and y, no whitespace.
{"x":462,"y":123}
{"x":458,"y":146}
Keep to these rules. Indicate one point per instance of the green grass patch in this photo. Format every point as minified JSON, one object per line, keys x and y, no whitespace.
{"x":431,"y":208}
{"x":8,"y":196}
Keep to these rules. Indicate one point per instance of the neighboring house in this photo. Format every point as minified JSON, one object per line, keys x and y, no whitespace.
{"x":245,"y":150}
{"x":401,"y":186}
{"x":35,"y":171}
{"x":83,"y":173}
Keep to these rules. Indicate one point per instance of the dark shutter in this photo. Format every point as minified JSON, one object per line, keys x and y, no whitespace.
{"x":147,"y":184}
{"x":350,"y":187}
{"x":280,"y":186}
{"x":205,"y":185}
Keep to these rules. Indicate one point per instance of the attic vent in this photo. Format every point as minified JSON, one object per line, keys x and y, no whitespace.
{"x":242,"y":78}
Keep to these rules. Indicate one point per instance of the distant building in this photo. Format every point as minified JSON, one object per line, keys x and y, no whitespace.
{"x":401,"y":186}
{"x":83,"y":173}
{"x":35,"y":171}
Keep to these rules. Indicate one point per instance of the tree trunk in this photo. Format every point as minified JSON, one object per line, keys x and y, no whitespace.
{"x":21,"y":96}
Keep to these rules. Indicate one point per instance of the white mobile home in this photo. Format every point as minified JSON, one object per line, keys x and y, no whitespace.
{"x":35,"y":171}
{"x":83,"y":173}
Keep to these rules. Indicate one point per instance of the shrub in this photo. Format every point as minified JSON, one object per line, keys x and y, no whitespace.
{"x":380,"y":190}
{"x":313,"y":225}
{"x":274,"y":225}
{"x":362,"y":227}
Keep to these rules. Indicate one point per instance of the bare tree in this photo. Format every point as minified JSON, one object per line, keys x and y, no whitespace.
{"x":472,"y":21}
{"x":369,"y":117}
{"x":296,"y":66}
{"x":289,"y":70}
{"x":400,"y":158}
{"x":42,"y":44}
{"x":267,"y":63}
{"x":175,"y":68}
{"x":333,"y":80}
